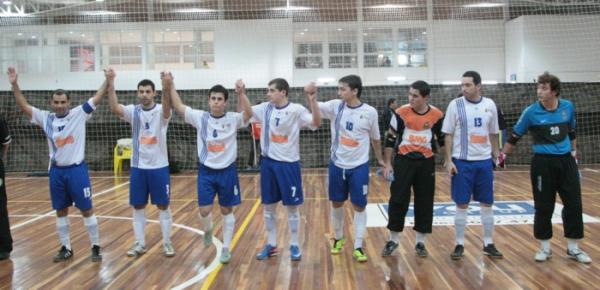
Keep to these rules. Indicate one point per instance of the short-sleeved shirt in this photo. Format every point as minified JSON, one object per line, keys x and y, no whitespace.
{"x":549,"y":129}
{"x":471,"y":123}
{"x":149,"y":134}
{"x":216,"y":136}
{"x":65,"y":134}
{"x":352,"y":129}
{"x":279,"y":139}
{"x":416,"y":131}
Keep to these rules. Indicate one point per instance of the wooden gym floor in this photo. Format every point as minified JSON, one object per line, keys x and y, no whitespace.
{"x":196,"y":267}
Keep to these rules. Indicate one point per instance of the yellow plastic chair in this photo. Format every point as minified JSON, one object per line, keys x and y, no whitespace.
{"x":123,"y":151}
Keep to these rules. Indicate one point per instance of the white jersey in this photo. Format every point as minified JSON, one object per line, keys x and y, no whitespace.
{"x":281,"y":129}
{"x":66,"y":135}
{"x":471,"y":124}
{"x":149,"y":136}
{"x":216,"y":136}
{"x":352,"y":129}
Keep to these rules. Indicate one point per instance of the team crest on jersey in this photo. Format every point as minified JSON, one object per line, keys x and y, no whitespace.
{"x":564,"y":115}
{"x":426,"y":125}
{"x":60,"y":128}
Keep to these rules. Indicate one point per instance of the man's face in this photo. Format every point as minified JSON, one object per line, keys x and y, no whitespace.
{"x":275,"y":95}
{"x":60,"y":104}
{"x":345,"y":92}
{"x":469,"y":89}
{"x":146,"y":95}
{"x":416,"y":100}
{"x":217,"y":102}
{"x":545,"y":92}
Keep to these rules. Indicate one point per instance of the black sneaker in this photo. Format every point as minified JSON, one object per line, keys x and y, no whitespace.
{"x":458,"y":252}
{"x":389,"y":248}
{"x":63,"y":255}
{"x":421,"y":250}
{"x":96,"y":256}
{"x":4,"y":255}
{"x":491,"y":251}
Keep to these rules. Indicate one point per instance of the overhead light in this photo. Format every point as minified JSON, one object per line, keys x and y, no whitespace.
{"x":451,"y":83}
{"x":99,"y":13}
{"x":33,"y":37}
{"x":6,"y":2}
{"x":340,"y":29}
{"x":305,"y":29}
{"x":391,"y":6}
{"x":194,"y":10}
{"x":396,"y":78}
{"x":19,"y":34}
{"x":489,"y":82}
{"x":99,"y":0}
{"x":301,"y":33}
{"x":484,"y":5}
{"x":325,"y":80}
{"x":291,"y":8}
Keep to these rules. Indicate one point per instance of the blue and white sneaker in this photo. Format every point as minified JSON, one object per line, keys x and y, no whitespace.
{"x":295,"y":254}
{"x":267,"y":252}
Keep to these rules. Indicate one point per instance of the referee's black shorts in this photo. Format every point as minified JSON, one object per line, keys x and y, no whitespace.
{"x":551,"y":174}
{"x":418,"y":174}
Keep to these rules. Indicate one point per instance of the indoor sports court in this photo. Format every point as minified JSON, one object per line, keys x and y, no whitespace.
{"x":54,"y":44}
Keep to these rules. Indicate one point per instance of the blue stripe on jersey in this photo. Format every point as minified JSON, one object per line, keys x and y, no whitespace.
{"x":203,"y":136}
{"x":87,"y":108}
{"x":136,"y":135}
{"x":266,"y":128}
{"x":49,"y":132}
{"x":335,"y":144}
{"x":464,"y":129}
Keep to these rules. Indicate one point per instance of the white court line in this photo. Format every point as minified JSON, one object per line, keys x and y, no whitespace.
{"x":203,"y":271}
{"x":37,"y":217}
{"x":592,"y":170}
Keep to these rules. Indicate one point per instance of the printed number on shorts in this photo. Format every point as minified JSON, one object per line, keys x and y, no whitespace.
{"x":87,"y":192}
{"x":293,"y":191}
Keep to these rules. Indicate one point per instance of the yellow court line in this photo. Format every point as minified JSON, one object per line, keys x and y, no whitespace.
{"x":213,"y":275}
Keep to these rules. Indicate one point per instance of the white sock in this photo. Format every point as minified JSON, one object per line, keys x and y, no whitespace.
{"x":395,"y":236}
{"x":228,"y":226}
{"x":62,"y":226}
{"x":360,"y":225}
{"x":572,"y":245}
{"x":293,"y":223}
{"x":421,"y":237}
{"x":487,"y":220}
{"x":165,"y":224}
{"x":545,"y":245}
{"x":91,"y":223}
{"x":206,"y":222}
{"x":269,"y":211}
{"x":337,"y":220}
{"x":139,"y":223}
{"x":460,"y":222}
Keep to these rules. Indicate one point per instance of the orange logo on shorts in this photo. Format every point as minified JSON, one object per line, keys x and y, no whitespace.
{"x":148,"y":140}
{"x":279,"y":138}
{"x":60,"y":142}
{"x":478,"y":139}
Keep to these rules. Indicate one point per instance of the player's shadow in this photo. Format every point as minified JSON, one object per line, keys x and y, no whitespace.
{"x":393,"y":275}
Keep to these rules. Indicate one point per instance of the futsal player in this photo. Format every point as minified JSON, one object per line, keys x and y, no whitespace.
{"x":217,"y":153}
{"x":354,"y":129}
{"x":69,"y":181}
{"x":471,"y":142}
{"x":551,"y":122}
{"x":413,"y":130}
{"x":280,"y":178}
{"x":6,"y":240}
{"x":149,"y":175}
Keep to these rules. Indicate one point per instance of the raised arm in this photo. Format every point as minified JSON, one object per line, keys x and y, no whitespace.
{"x":113,"y":102}
{"x":310,"y":91}
{"x":97,"y":98}
{"x":19,"y":97}
{"x":165,"y":99}
{"x":243,"y":101}
{"x":170,"y":93}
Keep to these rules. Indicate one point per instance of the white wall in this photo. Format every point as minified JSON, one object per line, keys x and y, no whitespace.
{"x":567,"y":46}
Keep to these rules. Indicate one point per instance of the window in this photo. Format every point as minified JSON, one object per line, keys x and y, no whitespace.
{"x":309,"y":55}
{"x":412,"y":47}
{"x":22,"y":50}
{"x":342,"y":49}
{"x":77,"y":49}
{"x":122,"y":50}
{"x":180,"y":49}
{"x":378,"y":45}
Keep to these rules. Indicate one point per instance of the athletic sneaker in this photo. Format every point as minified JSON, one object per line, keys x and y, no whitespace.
{"x":295,"y":254}
{"x":389,"y":248}
{"x":421,"y":250}
{"x":579,"y":256}
{"x":458,"y":252}
{"x":359,"y":255}
{"x":208,"y":237}
{"x":491,"y":251}
{"x":136,"y":250}
{"x":168,"y":249}
{"x":267,"y":252}
{"x":96,"y":256}
{"x":337,"y":246}
{"x":63,"y":255}
{"x":543,"y":255}
{"x":225,"y":256}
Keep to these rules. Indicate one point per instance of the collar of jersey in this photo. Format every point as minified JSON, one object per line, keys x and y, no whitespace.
{"x":544,"y":108}
{"x":218,"y":117}
{"x":66,"y":114}
{"x":480,"y":99}
{"x":282,"y":107}
{"x":355,"y":107}
{"x":148,"y":109}
{"x":428,"y":109}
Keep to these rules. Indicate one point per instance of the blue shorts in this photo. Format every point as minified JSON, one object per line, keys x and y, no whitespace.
{"x":222,"y":182}
{"x":474,"y":178}
{"x":70,"y":184}
{"x":353,"y":181}
{"x":153,"y":182}
{"x":280,"y":181}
